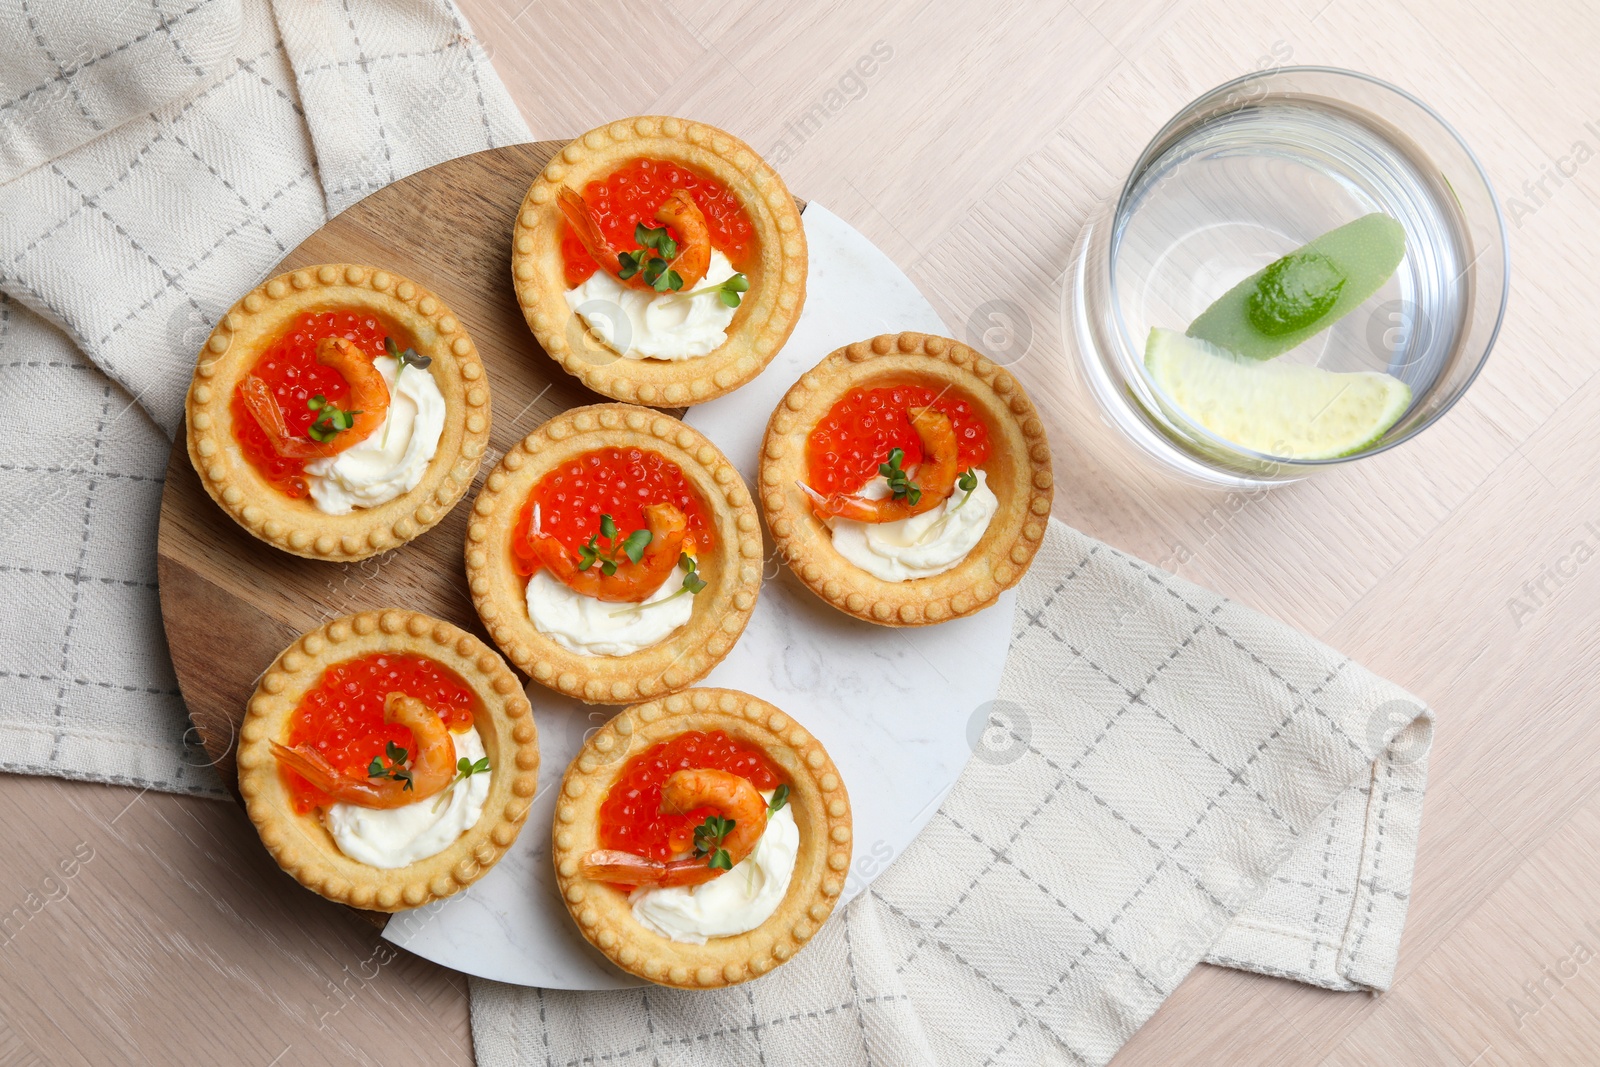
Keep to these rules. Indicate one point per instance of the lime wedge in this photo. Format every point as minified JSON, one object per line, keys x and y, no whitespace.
{"x":1280,"y":409}
{"x":1306,"y":291}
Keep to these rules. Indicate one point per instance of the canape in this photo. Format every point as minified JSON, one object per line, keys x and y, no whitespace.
{"x":906,"y":480}
{"x":614,"y":554}
{"x":388,"y":759}
{"x":337,"y":411}
{"x":702,"y":839}
{"x":660,"y":261}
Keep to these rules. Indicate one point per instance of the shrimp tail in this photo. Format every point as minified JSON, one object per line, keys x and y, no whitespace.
{"x":622,"y":868}
{"x":263,"y":407}
{"x":311,"y":765}
{"x":586,"y":228}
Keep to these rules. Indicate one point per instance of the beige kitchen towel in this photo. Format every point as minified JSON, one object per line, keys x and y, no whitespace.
{"x":158,"y":159}
{"x":1166,"y":778}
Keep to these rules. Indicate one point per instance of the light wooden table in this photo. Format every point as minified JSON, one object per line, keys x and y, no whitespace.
{"x":1461,"y":565}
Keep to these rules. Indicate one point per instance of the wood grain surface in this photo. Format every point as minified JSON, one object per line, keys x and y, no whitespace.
{"x":447,"y":228}
{"x":969,"y":139}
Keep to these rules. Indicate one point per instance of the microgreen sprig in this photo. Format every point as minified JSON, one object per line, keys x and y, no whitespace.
{"x":727,"y":291}
{"x":465,"y":768}
{"x":692,"y":584}
{"x":407,"y":358}
{"x":656,"y":251}
{"x":780,"y":797}
{"x":396,"y":770}
{"x":331,"y":420}
{"x":708,"y":841}
{"x":968,"y":482}
{"x":899,"y":481}
{"x":632,"y":546}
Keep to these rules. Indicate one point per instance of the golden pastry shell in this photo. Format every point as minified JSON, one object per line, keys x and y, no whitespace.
{"x":1017,"y":470}
{"x":732,"y":568}
{"x":777,"y":274}
{"x":302,"y":845}
{"x":258,"y":320}
{"x":821,"y":810}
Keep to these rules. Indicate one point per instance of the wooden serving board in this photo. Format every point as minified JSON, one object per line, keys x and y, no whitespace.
{"x":230,"y":603}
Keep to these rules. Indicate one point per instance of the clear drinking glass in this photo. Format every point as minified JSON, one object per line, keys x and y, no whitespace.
{"x":1249,"y":172}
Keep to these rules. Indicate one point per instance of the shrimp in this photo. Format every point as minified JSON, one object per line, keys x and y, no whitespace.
{"x":631,"y":582}
{"x":936,"y":477}
{"x":368,"y":403}
{"x":732,"y":796}
{"x":678,"y":211}
{"x":694,"y":237}
{"x":433,"y":761}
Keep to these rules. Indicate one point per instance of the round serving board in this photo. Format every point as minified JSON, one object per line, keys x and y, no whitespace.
{"x":896,"y":708}
{"x":229,"y":602}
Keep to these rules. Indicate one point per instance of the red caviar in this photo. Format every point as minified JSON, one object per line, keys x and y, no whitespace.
{"x":630,"y":816}
{"x":845,"y":448}
{"x":290,"y":369}
{"x":342,"y":717}
{"x":609,"y":481}
{"x":631,"y":194}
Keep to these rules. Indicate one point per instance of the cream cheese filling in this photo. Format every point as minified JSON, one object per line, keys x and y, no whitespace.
{"x":392,"y":460}
{"x":640,"y":324}
{"x":397,"y":837}
{"x":735,"y":903}
{"x":593,"y":627}
{"x":923,"y":545}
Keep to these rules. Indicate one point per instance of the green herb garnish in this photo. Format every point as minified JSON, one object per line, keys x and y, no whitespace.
{"x":1294,"y":293}
{"x":899,"y":482}
{"x":331,"y":420}
{"x":632,"y":546}
{"x":728,"y":291}
{"x":396,"y":770}
{"x":708,"y":841}
{"x":408,"y":358}
{"x":692,"y":584}
{"x":465,"y":769}
{"x":656,"y":251}
{"x":780,"y":797}
{"x":969,"y":482}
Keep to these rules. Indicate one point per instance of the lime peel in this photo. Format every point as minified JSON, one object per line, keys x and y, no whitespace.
{"x":1308,"y":290}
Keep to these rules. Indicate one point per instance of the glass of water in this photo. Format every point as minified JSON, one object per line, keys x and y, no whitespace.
{"x":1224,"y":215}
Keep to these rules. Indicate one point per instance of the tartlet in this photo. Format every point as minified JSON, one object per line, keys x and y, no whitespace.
{"x":1018,"y":471}
{"x":256,"y":323}
{"x":301,"y":843}
{"x":821,"y":809}
{"x":731,"y":567}
{"x":776,"y":270}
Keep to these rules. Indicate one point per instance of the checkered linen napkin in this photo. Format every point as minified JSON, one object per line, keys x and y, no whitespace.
{"x":158,"y":160}
{"x":1168,"y":778}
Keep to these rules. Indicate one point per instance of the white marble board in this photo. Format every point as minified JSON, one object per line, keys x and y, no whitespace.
{"x":892,"y":712}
